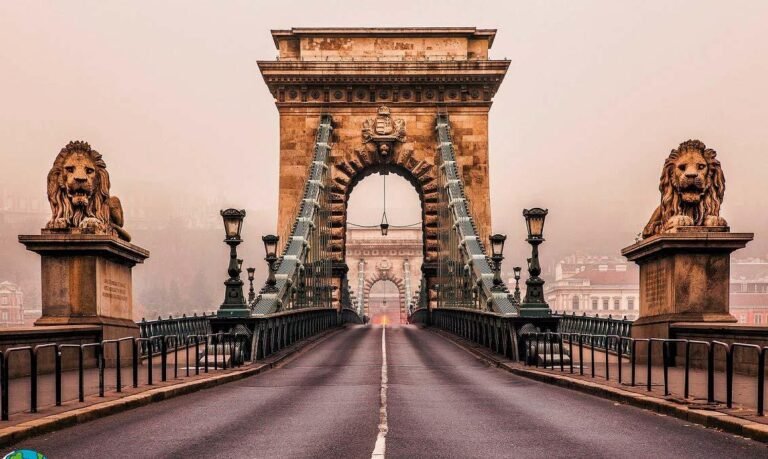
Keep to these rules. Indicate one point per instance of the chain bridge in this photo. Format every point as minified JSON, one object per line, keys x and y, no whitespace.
{"x":309,"y":376}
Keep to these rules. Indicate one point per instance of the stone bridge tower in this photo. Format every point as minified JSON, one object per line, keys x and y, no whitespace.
{"x":384,"y":88}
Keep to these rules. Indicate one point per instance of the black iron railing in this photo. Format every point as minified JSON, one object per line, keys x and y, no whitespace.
{"x":597,"y":326}
{"x":276,"y":331}
{"x":227,"y":350}
{"x":546,"y":350}
{"x":183,"y":327}
{"x":495,"y":331}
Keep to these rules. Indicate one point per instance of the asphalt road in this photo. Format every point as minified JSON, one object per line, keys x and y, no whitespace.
{"x":440,"y":402}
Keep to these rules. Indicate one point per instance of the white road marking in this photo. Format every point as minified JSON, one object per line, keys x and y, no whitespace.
{"x":381,"y":440}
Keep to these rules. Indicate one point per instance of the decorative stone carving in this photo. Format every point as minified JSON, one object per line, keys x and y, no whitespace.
{"x":692,"y":187}
{"x":383,"y":131}
{"x":78,"y":192}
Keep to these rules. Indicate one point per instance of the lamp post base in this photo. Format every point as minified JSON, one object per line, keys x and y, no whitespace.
{"x":535,"y":310}
{"x":229,"y":312}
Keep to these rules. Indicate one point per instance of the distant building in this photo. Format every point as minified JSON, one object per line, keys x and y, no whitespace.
{"x":749,"y":291}
{"x":594,"y":285}
{"x":11,"y":305}
{"x":608,"y":285}
{"x":384,"y":271}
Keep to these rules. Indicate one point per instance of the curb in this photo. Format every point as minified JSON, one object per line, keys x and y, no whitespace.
{"x":707,"y":418}
{"x":35,"y":427}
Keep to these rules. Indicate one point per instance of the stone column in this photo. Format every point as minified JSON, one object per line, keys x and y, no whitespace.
{"x":684,"y":277}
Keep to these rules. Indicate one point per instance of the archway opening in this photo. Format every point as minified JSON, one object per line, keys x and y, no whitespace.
{"x":384,"y":303}
{"x":391,"y":262}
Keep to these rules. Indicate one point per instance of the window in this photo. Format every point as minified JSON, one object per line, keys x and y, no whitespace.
{"x":5,"y":316}
{"x":575,"y":303}
{"x":594,"y":304}
{"x":606,"y":304}
{"x":631,"y":303}
{"x":742,"y":319}
{"x":758,"y":319}
{"x":4,"y":300}
{"x":617,"y":303}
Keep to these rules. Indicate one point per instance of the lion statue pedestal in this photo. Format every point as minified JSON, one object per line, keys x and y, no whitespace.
{"x":684,"y":277}
{"x":684,"y":257}
{"x":86,"y":280}
{"x":86,"y":258}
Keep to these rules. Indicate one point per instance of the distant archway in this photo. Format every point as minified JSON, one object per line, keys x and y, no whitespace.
{"x":385,"y":301}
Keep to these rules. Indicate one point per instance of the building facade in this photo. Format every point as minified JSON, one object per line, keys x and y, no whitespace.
{"x":11,"y":305}
{"x":749,"y":291}
{"x":595,"y":285}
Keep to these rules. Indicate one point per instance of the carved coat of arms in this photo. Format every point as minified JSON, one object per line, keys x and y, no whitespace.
{"x":383,"y":131}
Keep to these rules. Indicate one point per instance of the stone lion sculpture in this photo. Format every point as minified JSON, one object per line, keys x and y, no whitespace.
{"x":692,"y":187}
{"x":78,"y":192}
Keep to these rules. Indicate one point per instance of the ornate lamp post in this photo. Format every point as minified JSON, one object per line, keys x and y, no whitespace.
{"x":251,"y":292}
{"x":517,"y":271}
{"x":533,"y":304}
{"x":497,"y":255}
{"x":270,"y":247}
{"x":234,"y":302}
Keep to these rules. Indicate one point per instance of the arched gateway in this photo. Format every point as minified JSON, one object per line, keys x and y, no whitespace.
{"x":384,"y":89}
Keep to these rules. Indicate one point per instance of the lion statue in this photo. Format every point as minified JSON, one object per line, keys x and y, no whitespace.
{"x":692,"y":187}
{"x":78,"y":191}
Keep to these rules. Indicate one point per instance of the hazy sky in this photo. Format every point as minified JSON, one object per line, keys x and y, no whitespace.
{"x":597,"y":94}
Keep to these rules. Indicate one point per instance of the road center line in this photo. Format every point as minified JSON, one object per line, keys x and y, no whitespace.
{"x":380,"y":448}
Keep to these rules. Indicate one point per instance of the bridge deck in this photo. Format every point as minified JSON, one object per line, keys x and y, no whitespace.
{"x":441,"y":402}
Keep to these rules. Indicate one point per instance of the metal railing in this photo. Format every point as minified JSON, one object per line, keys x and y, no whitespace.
{"x":598,"y":326}
{"x":182,"y":327}
{"x":276,"y":331}
{"x":224,"y":347}
{"x":547,"y":349}
{"x":489,"y":329}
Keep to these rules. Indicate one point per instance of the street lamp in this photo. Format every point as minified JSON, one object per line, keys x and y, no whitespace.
{"x":270,"y":247}
{"x":497,"y":255}
{"x":251,"y":292}
{"x":517,"y":270}
{"x":234,"y":301}
{"x":533,"y":304}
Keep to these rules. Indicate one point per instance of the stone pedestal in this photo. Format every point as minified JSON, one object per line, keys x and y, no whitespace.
{"x":86,"y":280}
{"x":684,"y":277}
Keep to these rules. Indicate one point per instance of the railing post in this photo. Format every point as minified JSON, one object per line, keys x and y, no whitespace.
{"x":118,"y":368}
{"x":57,"y":369}
{"x":650,"y":354}
{"x":163,"y":359}
{"x":711,"y":374}
{"x":33,"y":381}
{"x":3,"y":387}
{"x":80,"y":374}
{"x":100,"y":360}
{"x":135,"y":361}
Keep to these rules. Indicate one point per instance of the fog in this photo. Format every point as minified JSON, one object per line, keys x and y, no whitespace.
{"x":597,"y":94}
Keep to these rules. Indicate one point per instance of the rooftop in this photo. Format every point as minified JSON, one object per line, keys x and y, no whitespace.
{"x":373,"y":32}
